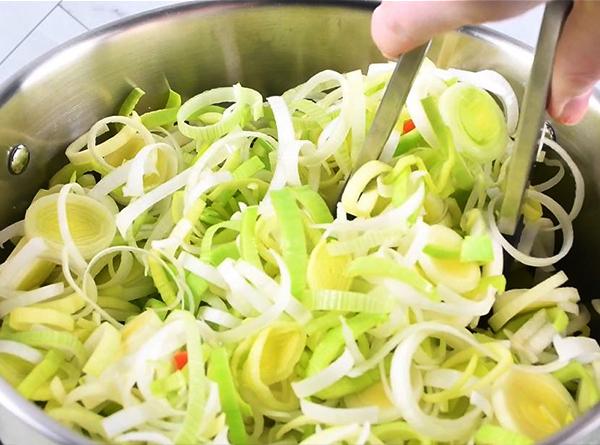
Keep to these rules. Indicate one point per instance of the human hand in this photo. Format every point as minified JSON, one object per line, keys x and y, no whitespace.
{"x":398,"y":26}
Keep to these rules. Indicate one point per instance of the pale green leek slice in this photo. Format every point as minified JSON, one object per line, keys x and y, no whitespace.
{"x":489,"y":434}
{"x":535,"y":405}
{"x":270,"y":364}
{"x":387,"y":268}
{"x":326,"y":271}
{"x":23,"y":318}
{"x":91,"y":224}
{"x":588,"y":393}
{"x":475,"y":120}
{"x":242,"y":98}
{"x":106,"y":344}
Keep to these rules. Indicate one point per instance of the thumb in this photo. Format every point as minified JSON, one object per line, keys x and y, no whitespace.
{"x":399,"y":26}
{"x":577,"y":65}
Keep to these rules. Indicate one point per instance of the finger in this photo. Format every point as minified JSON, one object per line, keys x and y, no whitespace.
{"x":577,"y":65}
{"x":400,"y":26}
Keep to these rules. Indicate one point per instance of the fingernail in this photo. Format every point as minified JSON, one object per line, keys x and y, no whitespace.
{"x":574,"y":109}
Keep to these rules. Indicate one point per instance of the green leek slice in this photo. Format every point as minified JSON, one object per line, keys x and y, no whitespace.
{"x":293,"y":239}
{"x":219,"y":371}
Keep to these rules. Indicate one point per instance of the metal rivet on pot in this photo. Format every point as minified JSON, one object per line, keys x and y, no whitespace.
{"x":18,"y":159}
{"x":549,"y":131}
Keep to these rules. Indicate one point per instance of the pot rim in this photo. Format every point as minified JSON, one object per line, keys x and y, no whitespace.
{"x":31,"y":414}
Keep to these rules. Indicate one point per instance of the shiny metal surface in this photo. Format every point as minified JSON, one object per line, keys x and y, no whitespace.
{"x":268,"y":46}
{"x":533,"y":108}
{"x":391,"y":104}
{"x":18,"y":159}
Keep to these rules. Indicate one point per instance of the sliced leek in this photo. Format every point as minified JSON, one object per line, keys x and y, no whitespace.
{"x":91,"y":224}
{"x":475,"y":121}
{"x":182,"y":280}
{"x":532,"y":404}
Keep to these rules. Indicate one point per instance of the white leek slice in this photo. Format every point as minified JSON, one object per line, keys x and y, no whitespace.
{"x":390,"y":147}
{"x":151,"y":166}
{"x":270,"y":364}
{"x":274,"y":291}
{"x":582,"y":349}
{"x":286,"y":170}
{"x":357,"y":186}
{"x":338,"y":416}
{"x":13,"y":231}
{"x":15,"y":299}
{"x":395,"y":218}
{"x":138,"y":329}
{"x":252,"y":325}
{"x":20,"y":350}
{"x":336,"y":434}
{"x":213,"y":156}
{"x":146,"y":162}
{"x":554,"y":180}
{"x":506,"y":310}
{"x":453,"y":305}
{"x":243,"y":297}
{"x":382,"y":68}
{"x":202,"y":269}
{"x":325,"y":378}
{"x":564,"y":223}
{"x":374,"y":395}
{"x":112,"y":181}
{"x":27,"y":266}
{"x":133,"y":416}
{"x":126,"y":216}
{"x":330,"y":140}
{"x":150,"y":437}
{"x":579,"y":182}
{"x":218,"y":316}
{"x":350,"y":341}
{"x":358,"y":116}
{"x":405,"y":395}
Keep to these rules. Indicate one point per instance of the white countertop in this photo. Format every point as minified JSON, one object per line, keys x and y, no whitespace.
{"x":29,"y":29}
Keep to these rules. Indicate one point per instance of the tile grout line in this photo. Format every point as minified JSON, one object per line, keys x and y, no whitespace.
{"x":29,"y":33}
{"x":72,"y":16}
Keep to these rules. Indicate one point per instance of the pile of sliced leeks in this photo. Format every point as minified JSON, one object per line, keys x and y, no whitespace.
{"x":182,"y":281}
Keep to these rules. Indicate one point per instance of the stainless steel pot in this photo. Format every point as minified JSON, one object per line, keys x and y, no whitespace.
{"x":269,"y":46}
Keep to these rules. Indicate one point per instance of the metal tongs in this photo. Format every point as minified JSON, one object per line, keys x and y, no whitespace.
{"x":530,"y":130}
{"x":389,"y":109}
